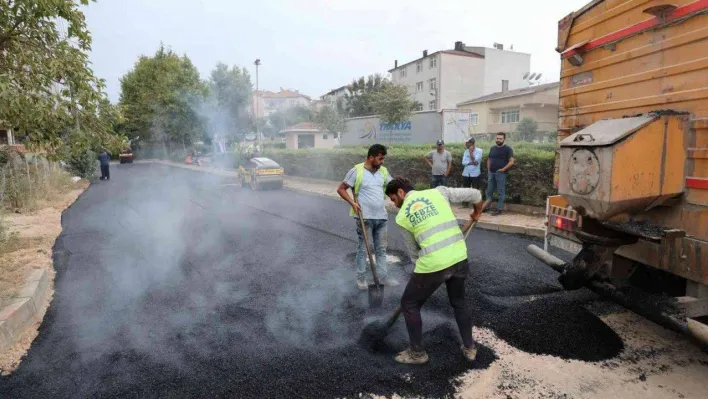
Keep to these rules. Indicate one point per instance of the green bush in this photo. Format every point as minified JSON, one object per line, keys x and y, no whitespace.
{"x":530,"y":181}
{"x":83,"y":164}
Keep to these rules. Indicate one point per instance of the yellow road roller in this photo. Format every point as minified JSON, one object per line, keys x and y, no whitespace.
{"x":261,"y":173}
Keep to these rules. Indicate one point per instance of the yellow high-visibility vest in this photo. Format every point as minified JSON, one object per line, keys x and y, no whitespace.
{"x":428,"y":215}
{"x":360,"y":177}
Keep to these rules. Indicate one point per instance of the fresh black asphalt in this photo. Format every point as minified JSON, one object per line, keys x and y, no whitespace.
{"x":175,"y":283}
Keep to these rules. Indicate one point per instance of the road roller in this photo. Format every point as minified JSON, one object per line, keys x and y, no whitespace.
{"x":261,"y":173}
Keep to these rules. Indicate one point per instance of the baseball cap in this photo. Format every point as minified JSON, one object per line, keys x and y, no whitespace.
{"x":471,"y":140}
{"x":440,"y":142}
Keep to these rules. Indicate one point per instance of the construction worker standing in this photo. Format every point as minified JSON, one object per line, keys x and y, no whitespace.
{"x":368,"y":181}
{"x":437,"y":245}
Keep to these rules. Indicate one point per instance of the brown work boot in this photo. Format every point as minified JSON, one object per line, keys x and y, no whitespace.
{"x":408,"y":356}
{"x":469,"y":353}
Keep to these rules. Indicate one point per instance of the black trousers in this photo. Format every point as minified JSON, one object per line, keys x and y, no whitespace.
{"x":105,"y":172}
{"x":473,"y":182}
{"x":421,"y":286}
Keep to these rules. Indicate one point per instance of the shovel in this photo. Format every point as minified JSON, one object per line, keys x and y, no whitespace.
{"x":376,"y":290}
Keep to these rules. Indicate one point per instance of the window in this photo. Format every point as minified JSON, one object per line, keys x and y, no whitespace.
{"x":433,"y":83}
{"x":433,"y":62}
{"x":433,"y":105}
{"x":510,"y":116}
{"x":419,"y":107}
{"x":419,"y":67}
{"x":419,"y":87}
{"x":403,"y":72}
{"x":474,"y":119}
{"x":505,"y":85}
{"x":324,"y":136}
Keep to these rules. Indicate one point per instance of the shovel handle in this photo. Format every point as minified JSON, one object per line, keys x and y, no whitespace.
{"x":469,"y":226}
{"x":393,"y":317}
{"x":366,"y":242}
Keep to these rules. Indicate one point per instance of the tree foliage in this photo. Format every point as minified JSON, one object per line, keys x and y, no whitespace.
{"x":360,"y":95}
{"x":527,"y":129}
{"x":48,"y":93}
{"x":230,"y":96}
{"x":330,"y":120}
{"x":392,"y":104}
{"x":160,"y":98}
{"x":282,"y":119}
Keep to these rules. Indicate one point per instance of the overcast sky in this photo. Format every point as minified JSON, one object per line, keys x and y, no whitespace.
{"x":317,"y":45}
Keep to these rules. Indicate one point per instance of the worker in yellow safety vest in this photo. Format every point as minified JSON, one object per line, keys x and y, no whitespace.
{"x":368,"y":182}
{"x":436,"y":244}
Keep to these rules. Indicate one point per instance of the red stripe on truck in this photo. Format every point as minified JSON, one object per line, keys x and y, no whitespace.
{"x":697,"y":182}
{"x":632,"y":30}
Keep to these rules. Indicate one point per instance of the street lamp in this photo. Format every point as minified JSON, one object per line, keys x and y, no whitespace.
{"x":257,"y":63}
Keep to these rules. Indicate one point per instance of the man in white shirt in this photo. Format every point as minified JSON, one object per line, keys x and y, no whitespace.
{"x":368,"y":181}
{"x":471,"y":161}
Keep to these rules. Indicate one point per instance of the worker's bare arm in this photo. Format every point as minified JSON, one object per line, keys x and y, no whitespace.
{"x":343,"y":192}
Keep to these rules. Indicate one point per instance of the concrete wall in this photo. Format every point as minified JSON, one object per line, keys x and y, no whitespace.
{"x":462,"y":79}
{"x":424,"y":127}
{"x":504,"y":65}
{"x":291,"y":141}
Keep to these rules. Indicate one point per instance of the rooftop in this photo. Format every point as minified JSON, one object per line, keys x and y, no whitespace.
{"x":283,"y":93}
{"x":512,"y":93}
{"x":460,"y":49}
{"x":302,"y":126}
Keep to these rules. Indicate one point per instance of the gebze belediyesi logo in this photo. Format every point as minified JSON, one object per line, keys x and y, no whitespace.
{"x":419,"y":210}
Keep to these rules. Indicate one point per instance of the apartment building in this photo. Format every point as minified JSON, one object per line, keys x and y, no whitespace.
{"x":502,"y":111}
{"x":335,"y":96}
{"x":442,"y":79}
{"x":265,"y":103}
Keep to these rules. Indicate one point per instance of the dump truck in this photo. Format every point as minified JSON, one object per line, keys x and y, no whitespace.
{"x":632,"y":160}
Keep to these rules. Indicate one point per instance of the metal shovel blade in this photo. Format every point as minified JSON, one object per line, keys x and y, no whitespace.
{"x":376,"y":295}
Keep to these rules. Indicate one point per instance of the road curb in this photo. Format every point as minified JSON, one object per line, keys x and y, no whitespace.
{"x":502,"y":228}
{"x":27,"y":309}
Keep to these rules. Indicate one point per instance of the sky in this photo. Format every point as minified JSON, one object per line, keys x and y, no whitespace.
{"x":315,"y":46}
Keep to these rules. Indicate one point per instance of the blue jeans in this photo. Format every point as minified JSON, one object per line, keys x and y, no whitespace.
{"x":497,"y":182}
{"x":376,"y":229}
{"x":436,"y":181}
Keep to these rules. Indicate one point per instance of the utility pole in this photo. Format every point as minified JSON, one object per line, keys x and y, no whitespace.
{"x":257,"y":63}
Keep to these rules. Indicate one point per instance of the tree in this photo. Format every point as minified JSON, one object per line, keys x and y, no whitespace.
{"x":160,"y":98}
{"x":359,"y":95}
{"x":392,"y":104}
{"x":527,"y":129}
{"x":330,"y":120}
{"x":48,"y":93}
{"x":282,"y":119}
{"x":230,"y":96}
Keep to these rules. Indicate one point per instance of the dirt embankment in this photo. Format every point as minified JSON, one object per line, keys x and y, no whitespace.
{"x":26,"y":248}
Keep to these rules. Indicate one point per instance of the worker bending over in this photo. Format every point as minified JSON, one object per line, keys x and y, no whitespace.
{"x":437,"y":245}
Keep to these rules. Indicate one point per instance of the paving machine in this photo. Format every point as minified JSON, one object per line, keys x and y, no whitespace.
{"x":632,"y":160}
{"x":261,"y":173}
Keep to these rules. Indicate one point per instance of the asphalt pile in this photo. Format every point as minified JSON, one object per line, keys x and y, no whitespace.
{"x":209,"y":297}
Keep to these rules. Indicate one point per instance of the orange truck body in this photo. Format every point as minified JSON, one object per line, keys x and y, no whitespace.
{"x":624,"y":59}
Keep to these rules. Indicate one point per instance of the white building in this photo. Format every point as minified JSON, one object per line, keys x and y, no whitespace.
{"x":445,"y":78}
{"x":335,"y":96}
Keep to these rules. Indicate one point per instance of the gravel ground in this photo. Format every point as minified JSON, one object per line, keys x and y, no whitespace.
{"x":173,"y":283}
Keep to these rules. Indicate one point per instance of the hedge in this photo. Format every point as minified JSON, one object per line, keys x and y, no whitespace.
{"x":530,"y":181}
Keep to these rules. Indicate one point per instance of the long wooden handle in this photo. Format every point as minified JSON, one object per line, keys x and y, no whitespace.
{"x":366,"y":242}
{"x":471,"y":226}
